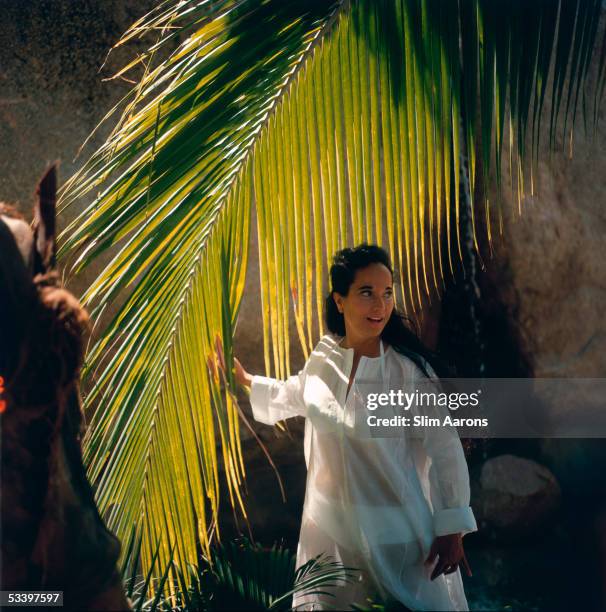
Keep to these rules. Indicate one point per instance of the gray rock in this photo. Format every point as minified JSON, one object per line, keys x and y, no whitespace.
{"x":514,"y":494}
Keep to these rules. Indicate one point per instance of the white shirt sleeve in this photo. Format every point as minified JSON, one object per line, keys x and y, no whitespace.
{"x":274,"y":400}
{"x":448,"y":474}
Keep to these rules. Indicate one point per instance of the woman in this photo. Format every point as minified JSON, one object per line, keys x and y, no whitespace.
{"x":393,"y":505}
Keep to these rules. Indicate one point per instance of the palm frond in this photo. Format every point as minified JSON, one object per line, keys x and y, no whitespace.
{"x":180,"y":193}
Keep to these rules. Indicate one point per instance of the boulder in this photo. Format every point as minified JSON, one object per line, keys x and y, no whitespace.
{"x":514,"y":494}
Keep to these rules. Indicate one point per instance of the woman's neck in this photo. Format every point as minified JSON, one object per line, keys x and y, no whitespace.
{"x":370,"y":347}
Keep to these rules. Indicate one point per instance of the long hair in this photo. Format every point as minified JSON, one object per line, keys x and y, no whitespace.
{"x":396,"y":332}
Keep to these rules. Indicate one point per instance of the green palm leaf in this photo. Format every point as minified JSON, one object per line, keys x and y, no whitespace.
{"x":331,"y":119}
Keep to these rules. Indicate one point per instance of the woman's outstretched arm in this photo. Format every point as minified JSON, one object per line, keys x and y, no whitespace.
{"x":271,"y":400}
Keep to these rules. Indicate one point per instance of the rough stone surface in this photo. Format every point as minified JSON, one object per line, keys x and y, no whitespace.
{"x":555,"y":257}
{"x":550,"y":259}
{"x":514,"y":494}
{"x":51,"y":83}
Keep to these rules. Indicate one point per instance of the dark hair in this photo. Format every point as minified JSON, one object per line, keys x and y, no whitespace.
{"x":396,"y":332}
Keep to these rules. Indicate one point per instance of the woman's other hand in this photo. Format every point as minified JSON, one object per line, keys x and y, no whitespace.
{"x":241,"y":375}
{"x":449,"y":551}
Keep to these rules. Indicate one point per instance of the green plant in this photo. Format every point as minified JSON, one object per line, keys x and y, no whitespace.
{"x":238,"y":575}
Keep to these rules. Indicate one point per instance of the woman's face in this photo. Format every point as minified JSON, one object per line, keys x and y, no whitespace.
{"x":368,"y":304}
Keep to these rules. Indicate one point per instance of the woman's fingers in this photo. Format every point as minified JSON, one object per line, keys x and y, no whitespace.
{"x":438,"y":569}
{"x":450,"y":569}
{"x":433,"y":553}
{"x":445,"y":567}
{"x":450,"y":553}
{"x":241,"y":375}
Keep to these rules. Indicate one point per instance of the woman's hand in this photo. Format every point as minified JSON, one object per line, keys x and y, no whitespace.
{"x":449,"y":551}
{"x":241,"y":375}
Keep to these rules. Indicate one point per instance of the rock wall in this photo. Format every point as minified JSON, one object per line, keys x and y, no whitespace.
{"x":551,"y":260}
{"x":51,"y":90}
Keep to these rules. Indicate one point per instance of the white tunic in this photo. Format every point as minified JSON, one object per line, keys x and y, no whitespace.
{"x":372,"y":503}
